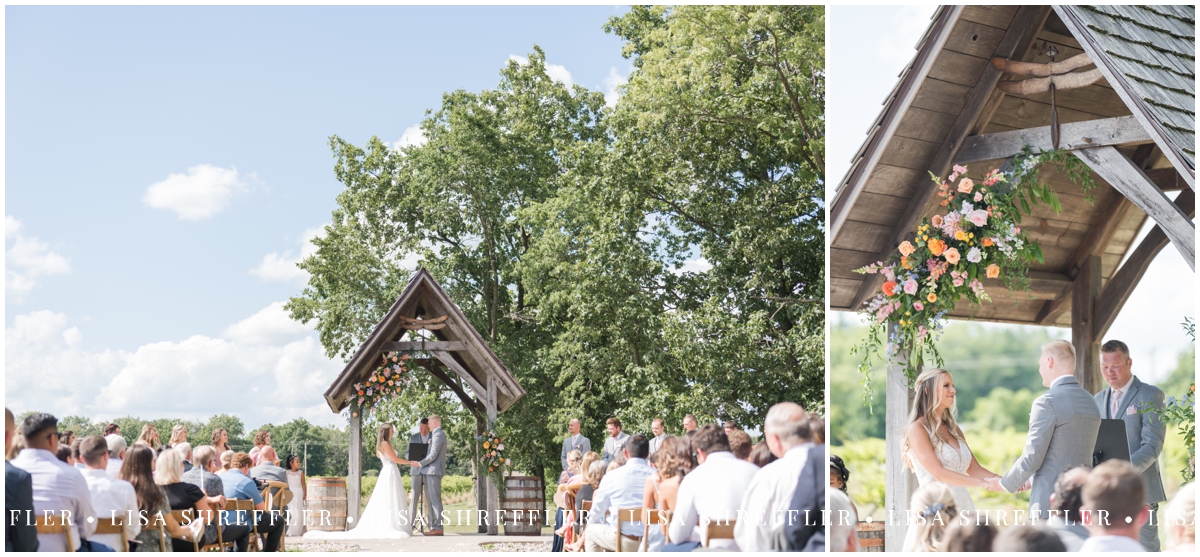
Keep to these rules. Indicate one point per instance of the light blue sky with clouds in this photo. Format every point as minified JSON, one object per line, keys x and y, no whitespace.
{"x":867,"y":48}
{"x":164,"y":166}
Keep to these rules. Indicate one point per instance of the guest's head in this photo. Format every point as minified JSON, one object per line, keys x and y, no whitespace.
{"x":1113,"y":500}
{"x":817,"y":425}
{"x":730,"y":426}
{"x":10,"y":429}
{"x":240,"y":462}
{"x":1068,"y":493}
{"x":1181,"y":519}
{"x":268,"y":456}
{"x":291,"y":462}
{"x":710,"y":439}
{"x":595,"y":473}
{"x":184,"y":449}
{"x":1057,"y":360}
{"x":63,"y":453}
{"x":573,"y":461}
{"x":116,"y":446}
{"x":205,"y":457}
{"x":1027,"y":538}
{"x":934,"y":504}
{"x":435,"y":422}
{"x":761,"y":455}
{"x":138,"y":469}
{"x":586,"y":461}
{"x":969,"y":536}
{"x":227,"y":460}
{"x":614,"y":427}
{"x":839,"y":475}
{"x":740,"y":444}
{"x":386,"y":431}
{"x":66,"y":437}
{"x":149,"y":436}
{"x":671,"y":459}
{"x":614,"y":465}
{"x":933,"y":401}
{"x":178,"y":434}
{"x":786,"y":427}
{"x":169,"y":468}
{"x":75,"y":445}
{"x":573,"y":426}
{"x":1115,"y":364}
{"x":220,"y":437}
{"x":94,"y":452}
{"x":15,"y":446}
{"x":424,"y":426}
{"x":40,"y":431}
{"x":112,"y":429}
{"x":843,"y":522}
{"x":656,"y":427}
{"x":689,"y":423}
{"x":637,"y":447}
{"x":262,"y":438}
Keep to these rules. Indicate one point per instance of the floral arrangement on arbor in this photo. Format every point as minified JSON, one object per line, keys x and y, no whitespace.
{"x":386,"y":381}
{"x":951,"y":253}
{"x":491,"y":451}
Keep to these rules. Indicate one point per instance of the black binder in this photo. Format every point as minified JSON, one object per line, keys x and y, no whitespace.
{"x":1111,"y":442}
{"x":418,"y":451}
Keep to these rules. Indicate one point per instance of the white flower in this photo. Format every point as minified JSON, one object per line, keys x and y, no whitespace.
{"x":974,"y":256}
{"x":967,"y":209}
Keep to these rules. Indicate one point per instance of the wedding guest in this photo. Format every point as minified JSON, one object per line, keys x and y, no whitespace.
{"x":226,"y":462}
{"x":574,"y":442}
{"x":662,"y":489}
{"x":149,"y":436}
{"x":19,"y":534}
{"x":817,"y":424}
{"x":179,"y":435}
{"x":116,"y":454}
{"x":1113,"y":508}
{"x":805,"y":532}
{"x":185,"y":450}
{"x":712,"y":491}
{"x":298,"y":484}
{"x":969,"y":536}
{"x":560,"y":499}
{"x":1065,"y":503}
{"x":63,"y":453}
{"x":614,"y":444}
{"x":112,"y":429}
{"x":261,"y":439}
{"x":57,"y":487}
{"x":839,"y":477}
{"x":75,"y":453}
{"x":1121,"y":400}
{"x":592,"y":477}
{"x":689,"y":423}
{"x":204,"y":475}
{"x":220,"y":440}
{"x":730,"y":427}
{"x":138,"y":470}
{"x":238,"y":485}
{"x":15,"y":447}
{"x":621,"y":489}
{"x":761,"y":455}
{"x":182,"y":496}
{"x":1181,"y":520}
{"x":659,"y":431}
{"x":110,"y":497}
{"x":1027,"y":538}
{"x":934,"y":504}
{"x":268,"y":453}
{"x":789,"y":438}
{"x":66,"y":438}
{"x":740,"y":444}
{"x":267,"y":470}
{"x":843,"y":524}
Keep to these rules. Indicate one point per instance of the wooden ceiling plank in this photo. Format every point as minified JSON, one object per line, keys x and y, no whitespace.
{"x":1122,"y":130}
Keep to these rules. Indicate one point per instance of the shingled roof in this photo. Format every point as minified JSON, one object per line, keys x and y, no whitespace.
{"x":1148,"y":55}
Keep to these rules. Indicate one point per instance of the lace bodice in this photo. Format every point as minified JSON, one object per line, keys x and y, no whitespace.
{"x":952,"y":459}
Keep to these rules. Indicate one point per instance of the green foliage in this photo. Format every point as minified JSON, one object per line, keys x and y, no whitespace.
{"x":1003,"y":409}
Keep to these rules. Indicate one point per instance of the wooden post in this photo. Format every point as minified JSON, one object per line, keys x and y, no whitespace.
{"x":354,"y":479}
{"x":477,"y":470}
{"x":493,"y":491}
{"x":1083,"y":315}
{"x":901,"y":482}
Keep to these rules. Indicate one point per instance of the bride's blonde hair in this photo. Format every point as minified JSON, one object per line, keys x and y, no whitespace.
{"x":386,"y":431}
{"x":927,"y":396}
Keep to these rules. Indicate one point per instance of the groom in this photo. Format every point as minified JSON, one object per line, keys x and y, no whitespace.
{"x":1063,"y":426}
{"x":432,"y":468}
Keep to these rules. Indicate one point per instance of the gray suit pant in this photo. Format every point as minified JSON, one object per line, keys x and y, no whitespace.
{"x":1149,"y":534}
{"x":433,"y":494}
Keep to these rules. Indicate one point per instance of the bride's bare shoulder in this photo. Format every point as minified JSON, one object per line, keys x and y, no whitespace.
{"x":917,"y":429}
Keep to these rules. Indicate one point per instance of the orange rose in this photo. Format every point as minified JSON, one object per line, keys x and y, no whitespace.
{"x":966,"y":185}
{"x":906,"y":248}
{"x":937,"y":246}
{"x":952,"y":256}
{"x":987,"y":242}
{"x":931,"y":298}
{"x":889,"y":288}
{"x":905,"y":263}
{"x":993,"y":271}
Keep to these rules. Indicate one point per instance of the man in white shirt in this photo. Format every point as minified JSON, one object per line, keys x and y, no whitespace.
{"x":765,"y":505}
{"x":620,"y":489}
{"x":659,"y":430}
{"x":110,"y":497}
{"x":1113,"y":508}
{"x":58,"y":488}
{"x":116,"y":453}
{"x":615,"y":443}
{"x":713,"y":491}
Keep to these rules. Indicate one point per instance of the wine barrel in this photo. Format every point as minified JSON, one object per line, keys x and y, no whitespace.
{"x":524,"y":506}
{"x":328,"y":495}
{"x":870,"y":535}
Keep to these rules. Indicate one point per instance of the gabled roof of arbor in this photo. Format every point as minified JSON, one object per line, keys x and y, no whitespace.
{"x":946,"y":98}
{"x":457,"y":347}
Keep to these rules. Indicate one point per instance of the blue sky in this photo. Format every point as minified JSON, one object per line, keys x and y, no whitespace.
{"x":165,"y":165}
{"x":867,"y":48}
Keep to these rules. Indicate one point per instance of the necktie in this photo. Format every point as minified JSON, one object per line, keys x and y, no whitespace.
{"x":1116,"y":399}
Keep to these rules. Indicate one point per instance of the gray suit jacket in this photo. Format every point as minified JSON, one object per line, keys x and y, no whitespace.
{"x":434,"y":463}
{"x":1063,"y":426}
{"x":416,"y":438}
{"x":1144,"y":431}
{"x":583,"y":446}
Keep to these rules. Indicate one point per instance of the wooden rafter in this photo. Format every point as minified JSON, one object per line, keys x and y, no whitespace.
{"x":1042,"y":84}
{"x":417,"y":345}
{"x":1035,"y":69}
{"x":1122,"y":130}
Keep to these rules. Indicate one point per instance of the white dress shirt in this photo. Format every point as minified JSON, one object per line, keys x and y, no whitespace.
{"x":621,"y":489}
{"x":1109,"y":544}
{"x":57,"y":487}
{"x":113,"y":498}
{"x":712,"y":491}
{"x":114,"y":467}
{"x":765,"y":505}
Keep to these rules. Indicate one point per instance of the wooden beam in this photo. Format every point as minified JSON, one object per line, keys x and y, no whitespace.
{"x":1167,"y":179}
{"x":1052,"y":310}
{"x":1042,"y":84}
{"x":1020,"y":34}
{"x":1121,"y":285}
{"x":900,"y":482}
{"x":1099,"y":234}
{"x":434,"y":321}
{"x":1035,"y":69}
{"x":1127,"y":178}
{"x":475,"y":406}
{"x":459,"y":370}
{"x":354,"y":479}
{"x":1087,"y":345}
{"x":493,"y":490}
{"x":1077,"y":135}
{"x":427,"y":346}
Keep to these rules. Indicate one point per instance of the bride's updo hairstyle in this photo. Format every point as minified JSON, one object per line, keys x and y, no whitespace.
{"x":927,"y":397}
{"x":933,"y":511}
{"x":386,"y":431}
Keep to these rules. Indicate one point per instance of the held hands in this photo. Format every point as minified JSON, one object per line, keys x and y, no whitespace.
{"x":1026,"y":486}
{"x":993,"y":484}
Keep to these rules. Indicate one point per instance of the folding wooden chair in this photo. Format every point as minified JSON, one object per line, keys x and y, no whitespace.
{"x":276,"y":502}
{"x":633,"y":514}
{"x":159,"y":526}
{"x":246,"y":506}
{"x":115,"y":525}
{"x":187,"y":516}
{"x":653,"y":516}
{"x":718,"y":530}
{"x":55,"y":525}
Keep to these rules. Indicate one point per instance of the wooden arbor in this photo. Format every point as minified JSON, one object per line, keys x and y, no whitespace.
{"x":458,"y":357}
{"x":964,"y":98}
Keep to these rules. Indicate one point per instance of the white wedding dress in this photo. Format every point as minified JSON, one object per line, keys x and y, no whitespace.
{"x":954,"y":460}
{"x":386,"y":516}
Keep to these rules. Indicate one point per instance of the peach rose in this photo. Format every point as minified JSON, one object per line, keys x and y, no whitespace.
{"x":937,"y":246}
{"x":906,"y":249}
{"x":993,"y":271}
{"x":952,"y":256}
{"x":966,"y":185}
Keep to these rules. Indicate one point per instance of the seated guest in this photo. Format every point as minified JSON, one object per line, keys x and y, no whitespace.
{"x":1065,"y":503}
{"x":226,"y":462}
{"x":817,"y":424}
{"x":662,"y":488}
{"x":19,"y":534}
{"x":805,"y":532}
{"x":739,"y":444}
{"x":1113,"y":508}
{"x":238,"y":485}
{"x":63,"y":453}
{"x":267,"y":470}
{"x":57,"y":487}
{"x":116,"y":454}
{"x":712,"y":492}
{"x":185,"y":450}
{"x":770,"y":494}
{"x":1027,"y":538}
{"x":969,"y":536}
{"x":934,"y":504}
{"x":560,"y":499}
{"x":593,"y":476}
{"x":1181,"y":520}
{"x":761,"y":455}
{"x":204,"y":476}
{"x":15,"y":447}
{"x":149,"y":436}
{"x":112,"y":429}
{"x":843,"y":524}
{"x":110,"y":497}
{"x":839,"y":477}
{"x":621,"y":488}
{"x":75,"y":453}
{"x":181,"y":496}
{"x":152,"y":499}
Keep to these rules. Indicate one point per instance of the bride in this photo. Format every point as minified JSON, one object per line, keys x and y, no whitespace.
{"x":386,"y":515}
{"x":934,"y":446}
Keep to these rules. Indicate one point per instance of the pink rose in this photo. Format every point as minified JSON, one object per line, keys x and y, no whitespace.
{"x":910,"y":287}
{"x":978,"y":196}
{"x":918,"y":306}
{"x":979,"y":217}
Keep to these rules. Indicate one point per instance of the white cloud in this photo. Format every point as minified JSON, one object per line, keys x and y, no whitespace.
{"x":612,"y":83}
{"x":261,"y":369}
{"x":282,"y":267}
{"x":26,"y":259}
{"x":700,"y":265}
{"x":201,"y":193}
{"x":413,"y":135}
{"x":556,"y":72}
